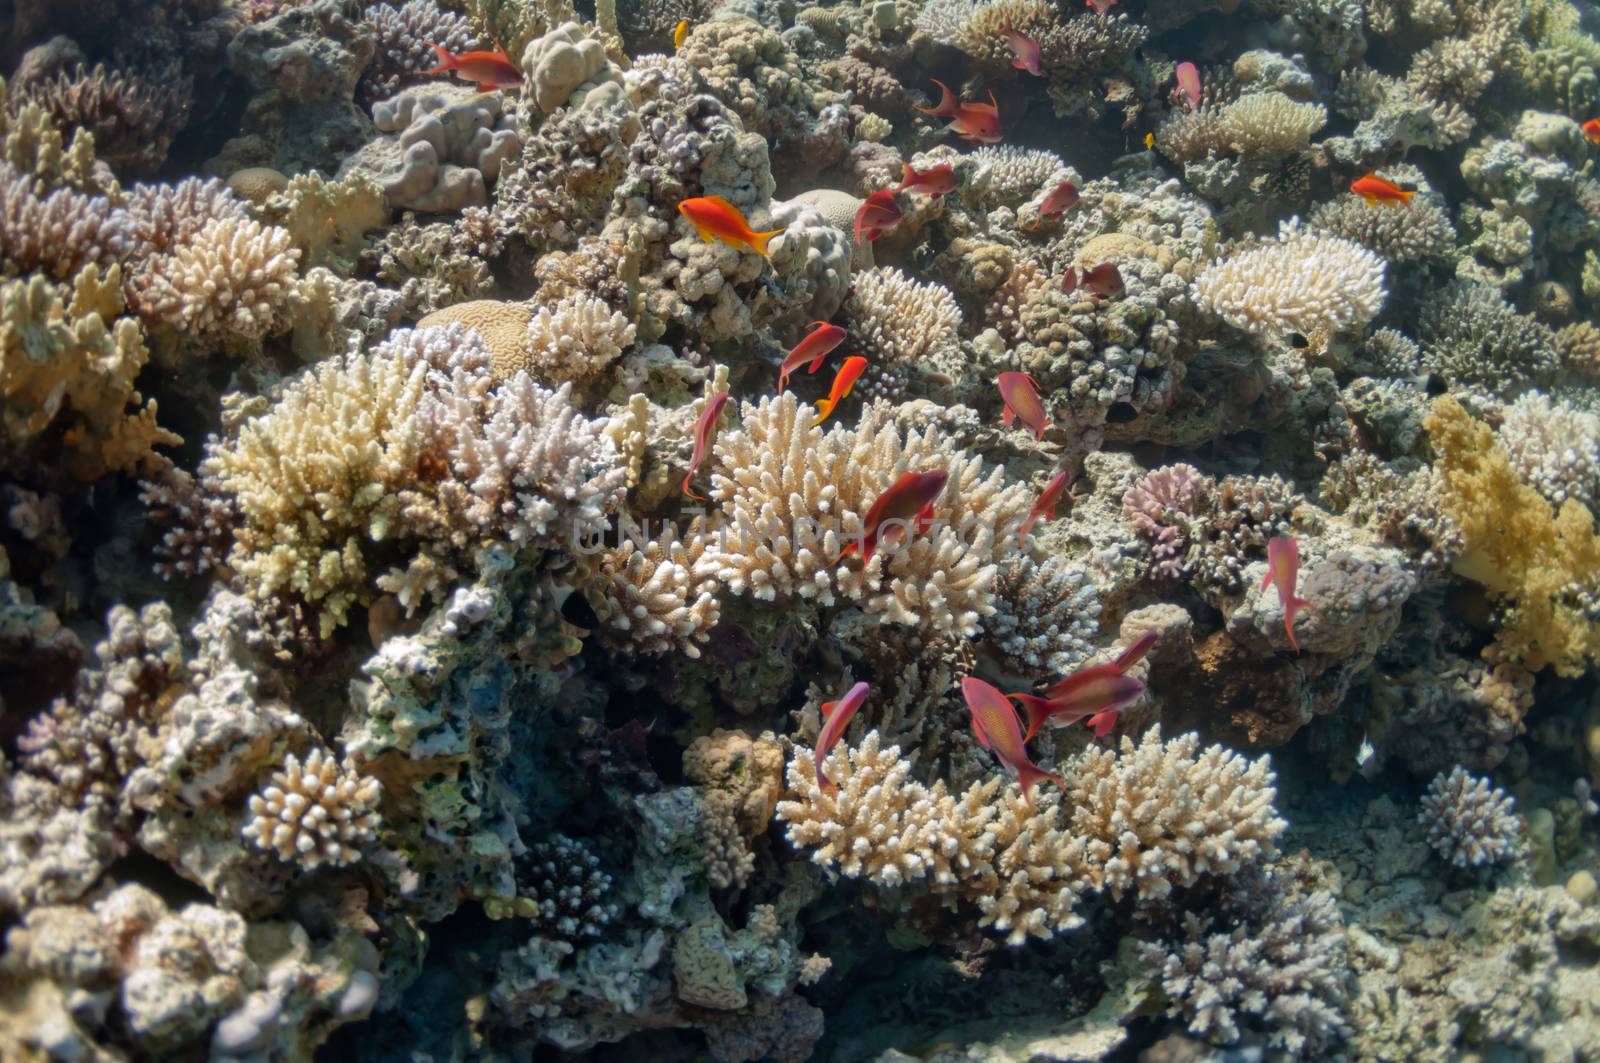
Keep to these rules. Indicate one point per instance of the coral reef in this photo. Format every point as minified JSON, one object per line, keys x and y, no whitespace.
{"x":1468,"y":822}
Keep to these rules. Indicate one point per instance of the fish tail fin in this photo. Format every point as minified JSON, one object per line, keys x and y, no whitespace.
{"x":783,"y":382}
{"x":759,"y":241}
{"x":1022,"y":533}
{"x":1029,"y":776}
{"x":1009,"y":416}
{"x":447,"y":62}
{"x":1406,"y":194}
{"x":689,"y":490}
{"x":947,"y":101}
{"x":1288,"y":628}
{"x":907,"y":177}
{"x":824,"y":410}
{"x":1036,"y":709}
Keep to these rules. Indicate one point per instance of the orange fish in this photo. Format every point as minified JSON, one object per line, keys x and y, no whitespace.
{"x":1283,"y":568}
{"x":1068,"y":692}
{"x":1046,"y":505}
{"x":1060,"y":199}
{"x":843,"y":381}
{"x":978,"y":122}
{"x":935,"y":181}
{"x":704,"y":426}
{"x":878,"y":214}
{"x":491,"y":70}
{"x":1020,"y":394}
{"x":817,"y":345}
{"x":837,"y":716}
{"x":994,"y":722}
{"x":1591,"y":130}
{"x":714,"y":218}
{"x":1375,"y":189}
{"x":904,"y":509}
{"x":1026,"y":49}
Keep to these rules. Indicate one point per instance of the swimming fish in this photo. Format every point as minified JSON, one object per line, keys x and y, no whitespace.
{"x":1367,"y":758}
{"x":1045,"y":506}
{"x":1021,"y":396}
{"x":1066,"y":692}
{"x":843,"y":381}
{"x":817,"y":345}
{"x":1591,"y":130}
{"x":1026,"y":49}
{"x":1100,"y":6}
{"x":679,"y":32}
{"x":877,"y":215}
{"x":1375,"y":189}
{"x":1189,"y":83}
{"x":1098,"y":698}
{"x":934,"y":181}
{"x":714,"y":218}
{"x":905,"y":507}
{"x":836,"y":716}
{"x":704,"y":426}
{"x":994,"y":722}
{"x":978,"y":122}
{"x":491,"y":70}
{"x":1149,"y":141}
{"x":1283,"y":568}
{"x":1060,"y":199}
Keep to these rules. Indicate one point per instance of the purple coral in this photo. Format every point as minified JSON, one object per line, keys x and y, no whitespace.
{"x":1162,"y":506}
{"x":1469,"y":822}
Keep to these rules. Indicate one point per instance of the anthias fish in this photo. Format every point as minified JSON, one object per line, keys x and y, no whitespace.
{"x":877,"y":214}
{"x":907,"y":502}
{"x":1283,"y":569}
{"x":1100,"y":6}
{"x":843,"y":381}
{"x":1591,"y":130}
{"x":994,"y":722}
{"x":1097,"y":698}
{"x":978,"y":122}
{"x":1045,"y":506}
{"x":488,"y":70}
{"x":1189,"y":83}
{"x":1060,"y":199}
{"x":704,"y":426}
{"x":714,"y":218}
{"x":1067,"y":691}
{"x":836,"y":717}
{"x":1375,"y":189}
{"x":1026,"y":51}
{"x":934,"y":181}
{"x":1020,"y":394}
{"x":814,"y":348}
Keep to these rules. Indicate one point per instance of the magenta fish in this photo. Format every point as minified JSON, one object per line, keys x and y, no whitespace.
{"x":1189,"y":83}
{"x":836,"y":716}
{"x":1026,"y":49}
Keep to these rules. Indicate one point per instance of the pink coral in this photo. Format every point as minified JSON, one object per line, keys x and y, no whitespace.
{"x":1162,"y":507}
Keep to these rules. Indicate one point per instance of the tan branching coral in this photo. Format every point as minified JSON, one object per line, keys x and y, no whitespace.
{"x":660,"y":596}
{"x":897,"y":319}
{"x":1423,"y":231}
{"x":575,"y":339}
{"x":1304,"y":282}
{"x":166,"y":216}
{"x":232,"y":282}
{"x":1269,"y":125}
{"x":792,"y":496}
{"x":132,"y":115}
{"x":314,"y":813}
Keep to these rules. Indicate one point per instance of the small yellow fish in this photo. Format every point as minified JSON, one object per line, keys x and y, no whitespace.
{"x":1149,"y":141}
{"x":679,"y":32}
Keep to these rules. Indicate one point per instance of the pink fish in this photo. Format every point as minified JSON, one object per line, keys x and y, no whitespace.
{"x":1283,"y":568}
{"x":994,"y":721}
{"x":1069,"y":695}
{"x":1045,"y":506}
{"x":978,"y":122}
{"x":1105,"y":280}
{"x":1100,"y":6}
{"x":836,"y":716}
{"x":816,"y":346}
{"x":878,"y":214}
{"x":1060,"y":199}
{"x":1021,"y":396}
{"x":704,"y":426}
{"x":1189,"y":83}
{"x":1027,"y":49}
{"x":901,"y":509}
{"x":935,"y":181}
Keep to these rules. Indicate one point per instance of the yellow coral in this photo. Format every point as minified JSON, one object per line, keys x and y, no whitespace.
{"x":1537,"y":558}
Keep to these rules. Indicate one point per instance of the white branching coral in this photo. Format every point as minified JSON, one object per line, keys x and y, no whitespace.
{"x":576,"y":338}
{"x":1304,"y":281}
{"x":792,"y":497}
{"x":233,"y":280}
{"x":1045,"y":615}
{"x":898,"y":319}
{"x":1469,"y":822}
{"x":314,"y":813}
{"x":166,"y":215}
{"x":660,"y":596}
{"x":1269,"y":125}
{"x":1010,"y":174}
{"x":1554,"y":448}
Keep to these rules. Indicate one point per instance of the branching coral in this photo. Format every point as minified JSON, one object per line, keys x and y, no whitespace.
{"x":167,"y":216}
{"x":659,"y":596}
{"x":1474,"y":339}
{"x":1269,"y":125}
{"x":58,"y":231}
{"x":1468,"y":822}
{"x":231,"y":283}
{"x":1045,"y":615}
{"x":314,"y":813}
{"x":133,"y":115}
{"x":1303,"y":282}
{"x":900,"y":320}
{"x":1554,"y":448}
{"x":1421,"y":232}
{"x":574,"y":894}
{"x":404,"y":33}
{"x":1165,"y":507}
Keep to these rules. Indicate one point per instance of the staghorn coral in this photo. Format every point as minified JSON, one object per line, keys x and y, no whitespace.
{"x":1303,"y":282}
{"x":1477,"y":341}
{"x":231,"y":284}
{"x":572,"y":340}
{"x":132,"y":114}
{"x":1468,"y":822}
{"x":1045,"y":615}
{"x":314,"y":812}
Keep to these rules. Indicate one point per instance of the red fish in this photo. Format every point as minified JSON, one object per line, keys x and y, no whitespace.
{"x":1189,"y":83}
{"x":1375,"y":189}
{"x":1100,"y":6}
{"x":978,"y":122}
{"x":1060,"y":199}
{"x":817,"y":345}
{"x":843,"y":381}
{"x":704,"y":426}
{"x":1591,"y":130}
{"x":1067,"y":693}
{"x":491,"y":70}
{"x":1283,"y":568}
{"x":1099,"y":698}
{"x":905,"y":507}
{"x":994,"y":721}
{"x":1105,"y":280}
{"x":935,"y":181}
{"x":878,"y":214}
{"x":714,"y":218}
{"x":1026,"y":49}
{"x":836,"y":715}
{"x":1046,"y":505}
{"x":1021,"y":395}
